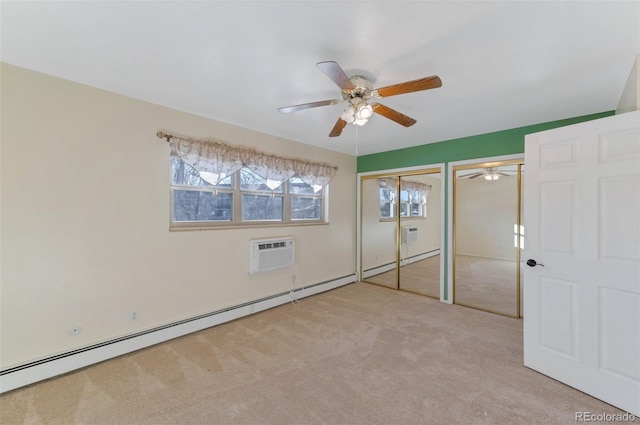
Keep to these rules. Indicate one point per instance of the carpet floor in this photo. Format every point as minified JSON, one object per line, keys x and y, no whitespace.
{"x":359,"y":354}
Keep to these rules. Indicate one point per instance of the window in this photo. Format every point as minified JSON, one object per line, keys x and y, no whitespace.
{"x":413,"y":204}
{"x":413,"y":199}
{"x":387,"y":202}
{"x":242,"y":198}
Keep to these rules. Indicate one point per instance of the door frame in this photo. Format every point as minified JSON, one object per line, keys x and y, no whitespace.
{"x":450,"y":210}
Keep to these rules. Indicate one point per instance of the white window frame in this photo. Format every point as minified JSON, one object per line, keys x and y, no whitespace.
{"x":393,"y":208}
{"x":236,"y":215}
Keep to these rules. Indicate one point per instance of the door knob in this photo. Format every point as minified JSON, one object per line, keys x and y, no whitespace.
{"x":532,"y":263}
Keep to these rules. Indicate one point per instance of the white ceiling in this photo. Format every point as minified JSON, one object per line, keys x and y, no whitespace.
{"x":502,"y":64}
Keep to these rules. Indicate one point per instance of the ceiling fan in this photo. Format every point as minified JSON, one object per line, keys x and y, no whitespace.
{"x":489,"y":173}
{"x":357,"y":90}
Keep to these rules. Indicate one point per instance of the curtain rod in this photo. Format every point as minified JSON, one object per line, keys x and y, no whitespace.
{"x":162,"y":135}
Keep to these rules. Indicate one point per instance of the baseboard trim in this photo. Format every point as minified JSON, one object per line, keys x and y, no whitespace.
{"x":49,"y":367}
{"x":390,"y":266}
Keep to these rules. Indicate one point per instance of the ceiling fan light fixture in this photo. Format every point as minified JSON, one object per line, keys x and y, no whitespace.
{"x":364,"y":111}
{"x":348,"y":114}
{"x":492,"y":176}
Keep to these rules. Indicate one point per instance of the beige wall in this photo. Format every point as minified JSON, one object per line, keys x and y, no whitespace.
{"x":85,"y":215}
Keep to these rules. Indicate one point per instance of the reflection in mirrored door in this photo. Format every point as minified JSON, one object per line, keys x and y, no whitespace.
{"x":379,"y":230}
{"x":487,"y":237}
{"x":401,"y":231}
{"x":420,"y":224}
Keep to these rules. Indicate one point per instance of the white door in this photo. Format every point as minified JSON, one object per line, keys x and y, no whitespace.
{"x":582,"y":227}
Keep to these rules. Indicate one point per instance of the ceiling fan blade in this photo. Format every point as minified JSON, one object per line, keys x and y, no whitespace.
{"x":502,"y":174}
{"x":393,"y":115}
{"x":294,"y":108}
{"x":470,"y":176}
{"x":411,"y":86}
{"x":337,"y":129}
{"x":333,"y":71}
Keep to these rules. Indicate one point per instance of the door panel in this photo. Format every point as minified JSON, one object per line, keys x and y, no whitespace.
{"x":420,"y":225}
{"x":617,"y":242}
{"x":582,"y":304}
{"x":557,"y":216}
{"x":379,"y":231}
{"x":613,"y":304}
{"x":487,"y":211}
{"x":558,"y":333}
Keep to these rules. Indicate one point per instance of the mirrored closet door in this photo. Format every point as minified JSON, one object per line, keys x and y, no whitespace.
{"x":420,"y":224}
{"x":379,"y":230}
{"x":401,"y":231}
{"x":488,"y":236}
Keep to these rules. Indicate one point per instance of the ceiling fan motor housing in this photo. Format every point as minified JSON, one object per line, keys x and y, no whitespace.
{"x":361,"y":92}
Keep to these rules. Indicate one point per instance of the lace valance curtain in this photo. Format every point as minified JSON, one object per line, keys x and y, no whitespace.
{"x":415,"y":187}
{"x":408,"y":185}
{"x":215,"y":160}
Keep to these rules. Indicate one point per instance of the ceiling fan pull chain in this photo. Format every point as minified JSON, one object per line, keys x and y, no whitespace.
{"x":356,"y":141}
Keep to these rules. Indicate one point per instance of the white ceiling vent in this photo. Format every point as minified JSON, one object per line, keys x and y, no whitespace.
{"x":270,"y":254}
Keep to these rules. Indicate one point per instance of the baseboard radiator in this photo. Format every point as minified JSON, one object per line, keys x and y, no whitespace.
{"x":40,"y":370}
{"x":373,"y":271}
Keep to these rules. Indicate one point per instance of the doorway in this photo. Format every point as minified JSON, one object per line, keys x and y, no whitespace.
{"x":488,"y":236}
{"x":401,"y":230}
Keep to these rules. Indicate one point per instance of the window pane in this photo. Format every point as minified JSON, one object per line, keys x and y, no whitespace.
{"x":251,"y":181}
{"x":184,"y":174}
{"x":416,"y":210}
{"x":296,"y":185}
{"x":262,"y":207}
{"x":385,"y":209}
{"x":416,"y":197}
{"x":404,"y":196}
{"x":404,"y":209}
{"x":305,"y":208}
{"x":193,"y":205}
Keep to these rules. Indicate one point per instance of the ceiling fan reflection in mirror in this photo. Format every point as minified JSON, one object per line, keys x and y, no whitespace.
{"x":489,"y":173}
{"x":357,"y":91}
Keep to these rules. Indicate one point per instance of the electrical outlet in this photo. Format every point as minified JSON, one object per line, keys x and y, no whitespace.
{"x":74,"y":330}
{"x":135,"y":316}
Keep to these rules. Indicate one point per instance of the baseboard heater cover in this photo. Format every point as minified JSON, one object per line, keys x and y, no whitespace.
{"x":49,"y":367}
{"x":390,"y":266}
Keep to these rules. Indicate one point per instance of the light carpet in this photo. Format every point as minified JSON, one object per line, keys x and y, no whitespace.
{"x":359,"y":354}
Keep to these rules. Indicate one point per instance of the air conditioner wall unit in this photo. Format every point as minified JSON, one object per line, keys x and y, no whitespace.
{"x":271,"y":254}
{"x":409,"y":234}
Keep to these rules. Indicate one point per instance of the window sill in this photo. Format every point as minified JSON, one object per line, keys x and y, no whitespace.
{"x":227,"y":226}
{"x":383,"y":220}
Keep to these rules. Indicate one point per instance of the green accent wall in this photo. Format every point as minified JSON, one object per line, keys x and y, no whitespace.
{"x":506,"y":142}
